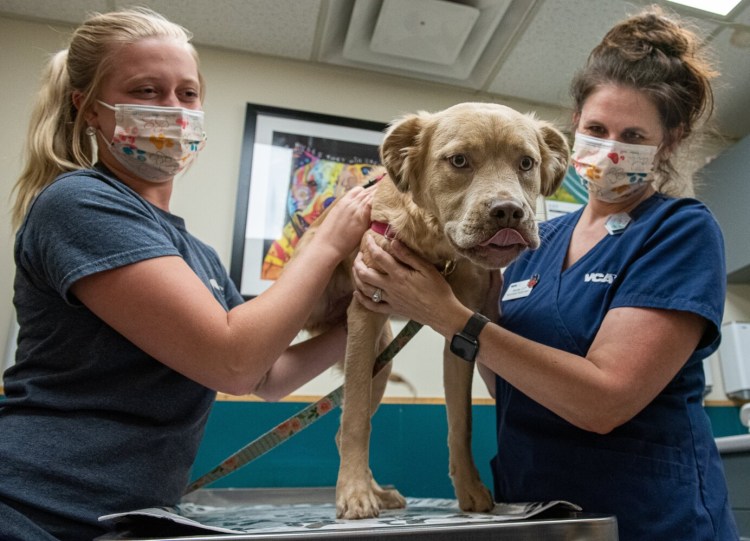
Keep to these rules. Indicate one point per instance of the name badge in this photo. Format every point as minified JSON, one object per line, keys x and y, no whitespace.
{"x":521,"y":289}
{"x":617,"y":223}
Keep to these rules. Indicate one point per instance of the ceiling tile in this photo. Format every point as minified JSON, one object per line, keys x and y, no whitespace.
{"x":743,"y":16}
{"x":554,"y":46}
{"x":283,"y":28}
{"x":544,"y":61}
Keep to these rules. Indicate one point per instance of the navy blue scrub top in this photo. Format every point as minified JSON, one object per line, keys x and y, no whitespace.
{"x":660,"y":472}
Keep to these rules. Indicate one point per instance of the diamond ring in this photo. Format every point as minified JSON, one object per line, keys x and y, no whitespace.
{"x":377,"y":296}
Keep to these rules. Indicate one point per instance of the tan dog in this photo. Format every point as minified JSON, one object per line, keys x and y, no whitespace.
{"x":461,"y":191}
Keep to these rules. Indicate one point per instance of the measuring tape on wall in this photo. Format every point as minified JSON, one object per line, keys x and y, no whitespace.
{"x":298,"y":422}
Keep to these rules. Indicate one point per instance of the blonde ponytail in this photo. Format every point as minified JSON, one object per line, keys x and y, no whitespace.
{"x":49,"y":141}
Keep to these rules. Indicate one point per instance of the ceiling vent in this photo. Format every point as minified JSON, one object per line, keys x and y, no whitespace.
{"x":427,"y":30}
{"x":435,"y":37}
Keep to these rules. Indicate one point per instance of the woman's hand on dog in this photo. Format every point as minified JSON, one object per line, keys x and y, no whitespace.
{"x":410,"y":287}
{"x":347,"y":221}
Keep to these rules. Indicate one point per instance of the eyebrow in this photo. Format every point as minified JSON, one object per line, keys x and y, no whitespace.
{"x":635,"y":128}
{"x":640,"y":129}
{"x":145,"y":78}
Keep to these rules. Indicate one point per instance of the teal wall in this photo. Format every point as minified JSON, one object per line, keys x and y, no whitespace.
{"x":408,"y":446}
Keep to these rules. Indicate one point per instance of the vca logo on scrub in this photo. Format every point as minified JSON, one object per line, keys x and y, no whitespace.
{"x":599,"y":277}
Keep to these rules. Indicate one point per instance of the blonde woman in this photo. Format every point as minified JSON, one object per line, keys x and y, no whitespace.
{"x":129,"y":325}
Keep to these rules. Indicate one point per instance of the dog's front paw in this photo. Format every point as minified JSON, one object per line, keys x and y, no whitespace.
{"x":356,"y":500}
{"x":475,"y":497}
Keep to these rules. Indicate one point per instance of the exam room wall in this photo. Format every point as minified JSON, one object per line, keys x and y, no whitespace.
{"x":205,"y":196}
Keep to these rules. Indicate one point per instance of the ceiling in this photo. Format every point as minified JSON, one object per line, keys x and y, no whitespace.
{"x":521,"y":49}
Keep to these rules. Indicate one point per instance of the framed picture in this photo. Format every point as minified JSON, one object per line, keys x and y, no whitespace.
{"x":569,"y":197}
{"x":293,"y":165}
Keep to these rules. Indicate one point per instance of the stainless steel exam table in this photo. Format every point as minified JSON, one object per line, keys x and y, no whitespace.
{"x":557,"y":524}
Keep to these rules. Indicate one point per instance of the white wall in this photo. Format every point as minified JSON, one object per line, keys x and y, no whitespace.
{"x":206,"y":195}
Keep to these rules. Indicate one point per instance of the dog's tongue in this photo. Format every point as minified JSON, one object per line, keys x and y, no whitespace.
{"x":505,"y":237}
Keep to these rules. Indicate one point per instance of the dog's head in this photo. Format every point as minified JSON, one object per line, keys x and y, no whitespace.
{"x":478,"y":168}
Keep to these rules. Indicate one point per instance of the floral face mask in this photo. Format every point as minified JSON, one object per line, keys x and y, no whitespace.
{"x":155,"y":143}
{"x":610,"y":170}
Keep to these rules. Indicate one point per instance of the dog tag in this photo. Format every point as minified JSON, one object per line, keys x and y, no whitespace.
{"x":617,"y":223}
{"x":521,"y":289}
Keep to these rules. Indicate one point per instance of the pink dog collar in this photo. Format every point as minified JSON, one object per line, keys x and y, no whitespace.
{"x":382,"y":228}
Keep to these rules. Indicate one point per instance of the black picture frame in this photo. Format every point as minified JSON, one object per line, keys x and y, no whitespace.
{"x":289,"y":158}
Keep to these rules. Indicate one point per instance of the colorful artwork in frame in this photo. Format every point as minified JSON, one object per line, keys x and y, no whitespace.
{"x":293,"y":165}
{"x":568,"y":198}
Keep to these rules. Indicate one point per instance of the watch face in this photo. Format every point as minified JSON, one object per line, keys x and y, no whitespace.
{"x":464,"y":347}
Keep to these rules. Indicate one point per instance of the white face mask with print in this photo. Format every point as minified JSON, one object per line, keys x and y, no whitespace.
{"x":612,"y":171}
{"x":155,"y":143}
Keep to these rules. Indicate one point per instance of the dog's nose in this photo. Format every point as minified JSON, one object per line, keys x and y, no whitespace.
{"x":507,"y":212}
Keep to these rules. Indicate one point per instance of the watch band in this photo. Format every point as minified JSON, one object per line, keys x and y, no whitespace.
{"x":475,"y":325}
{"x":465,"y":344}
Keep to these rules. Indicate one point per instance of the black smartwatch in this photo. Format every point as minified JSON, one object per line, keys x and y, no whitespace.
{"x":465,"y":344}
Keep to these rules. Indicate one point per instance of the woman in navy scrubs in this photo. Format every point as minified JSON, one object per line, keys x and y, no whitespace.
{"x":596,"y":363}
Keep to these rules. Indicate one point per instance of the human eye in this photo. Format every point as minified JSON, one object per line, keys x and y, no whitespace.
{"x":595,"y":130}
{"x":145,"y":92}
{"x":191,"y":94}
{"x":633,"y":137}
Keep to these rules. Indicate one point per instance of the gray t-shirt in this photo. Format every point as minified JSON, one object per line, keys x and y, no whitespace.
{"x":91,"y":424}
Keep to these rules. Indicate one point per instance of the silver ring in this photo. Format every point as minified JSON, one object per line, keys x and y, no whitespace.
{"x":377,"y":296}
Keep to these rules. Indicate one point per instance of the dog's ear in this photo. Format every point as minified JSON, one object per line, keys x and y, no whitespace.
{"x":555,"y":155}
{"x":400,"y":151}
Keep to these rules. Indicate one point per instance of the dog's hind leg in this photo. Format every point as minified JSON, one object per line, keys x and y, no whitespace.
{"x":355,"y":494}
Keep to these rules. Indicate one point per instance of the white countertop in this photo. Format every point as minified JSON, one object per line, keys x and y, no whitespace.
{"x":734,"y":444}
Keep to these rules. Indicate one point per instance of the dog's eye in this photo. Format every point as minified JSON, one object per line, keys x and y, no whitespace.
{"x":526,"y":163}
{"x":459,"y":161}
